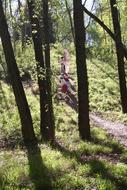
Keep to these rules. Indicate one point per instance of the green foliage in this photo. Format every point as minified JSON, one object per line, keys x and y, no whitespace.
{"x":71,"y":163}
{"x":103,"y":86}
{"x":61,"y":21}
{"x":26,"y":61}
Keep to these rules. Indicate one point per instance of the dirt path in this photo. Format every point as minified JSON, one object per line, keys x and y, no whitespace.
{"x":117,"y":130}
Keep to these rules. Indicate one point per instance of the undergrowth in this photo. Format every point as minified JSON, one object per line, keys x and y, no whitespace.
{"x":70,"y":163}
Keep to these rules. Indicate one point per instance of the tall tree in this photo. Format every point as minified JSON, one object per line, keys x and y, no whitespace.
{"x":120,"y":54}
{"x":51,"y":123}
{"x":10,"y":7}
{"x":70,"y":18}
{"x":25,"y":116}
{"x":83,"y":99}
{"x":37,"y":40}
{"x":22,"y":25}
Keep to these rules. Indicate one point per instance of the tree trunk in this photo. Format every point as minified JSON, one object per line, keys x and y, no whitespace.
{"x":83,"y":99}
{"x":40,"y":70}
{"x":120,"y":55}
{"x":51,"y":123}
{"x":71,"y":21}
{"x":10,"y":7}
{"x":22,"y":28}
{"x":25,"y":116}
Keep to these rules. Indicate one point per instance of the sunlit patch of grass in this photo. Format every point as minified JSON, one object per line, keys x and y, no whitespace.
{"x":103,"y":86}
{"x":14,"y":170}
{"x":62,"y":168}
{"x":114,"y":173}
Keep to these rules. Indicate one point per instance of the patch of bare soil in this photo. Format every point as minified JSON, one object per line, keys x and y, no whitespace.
{"x":111,"y":158}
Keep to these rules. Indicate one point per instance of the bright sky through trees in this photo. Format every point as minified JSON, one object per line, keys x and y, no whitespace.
{"x":88,"y":3}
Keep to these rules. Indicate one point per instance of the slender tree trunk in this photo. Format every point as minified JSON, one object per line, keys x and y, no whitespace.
{"x":96,"y":19}
{"x":120,"y":55}
{"x":101,"y":12}
{"x":40,"y":70}
{"x":83,"y":99}
{"x":10,"y":7}
{"x":22,"y":25}
{"x":71,"y":21}
{"x":5,"y":9}
{"x":48,"y":73}
{"x":25,"y":116}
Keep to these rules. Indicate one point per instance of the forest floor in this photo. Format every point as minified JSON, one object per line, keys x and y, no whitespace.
{"x":69,"y":164}
{"x":115,"y":129}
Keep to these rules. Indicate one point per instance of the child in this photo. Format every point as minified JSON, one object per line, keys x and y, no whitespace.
{"x":66,"y":59}
{"x":64,"y":78}
{"x":62,"y":69}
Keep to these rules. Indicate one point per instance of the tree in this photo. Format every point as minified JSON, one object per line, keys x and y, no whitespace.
{"x":120,"y":54}
{"x":23,"y":108}
{"x":46,"y":111}
{"x":70,"y":18}
{"x":105,"y":27}
{"x":83,"y":99}
{"x":51,"y":124}
{"x":62,"y":22}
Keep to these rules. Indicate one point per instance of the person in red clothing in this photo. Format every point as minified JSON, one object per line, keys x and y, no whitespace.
{"x":64,"y":72}
{"x":65,"y":83}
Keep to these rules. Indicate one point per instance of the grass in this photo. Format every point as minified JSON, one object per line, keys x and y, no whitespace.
{"x":70,"y":164}
{"x":48,"y":168}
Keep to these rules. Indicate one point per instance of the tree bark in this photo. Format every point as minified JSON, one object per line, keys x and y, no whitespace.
{"x":23,"y":108}
{"x":83,"y":97}
{"x":51,"y":124}
{"x":120,"y":55}
{"x":10,"y":7}
{"x":36,"y":36}
{"x":22,"y":27}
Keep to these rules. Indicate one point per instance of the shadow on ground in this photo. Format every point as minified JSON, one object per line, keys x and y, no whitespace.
{"x":98,"y":167}
{"x":39,"y":174}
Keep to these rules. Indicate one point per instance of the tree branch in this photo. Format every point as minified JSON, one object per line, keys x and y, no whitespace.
{"x":105,"y":28}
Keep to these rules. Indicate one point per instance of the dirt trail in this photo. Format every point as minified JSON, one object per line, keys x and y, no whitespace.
{"x":116,"y":130}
